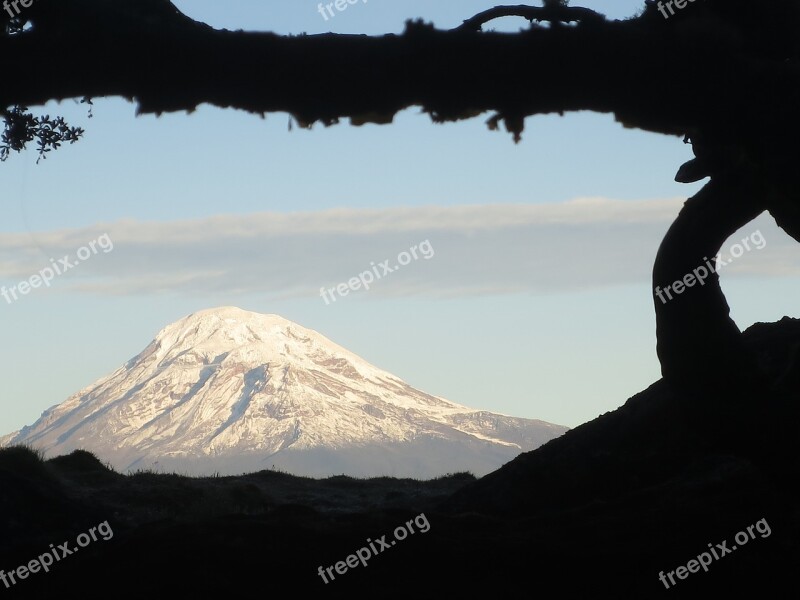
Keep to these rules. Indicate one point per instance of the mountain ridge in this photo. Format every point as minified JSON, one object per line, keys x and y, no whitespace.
{"x":231,"y":390}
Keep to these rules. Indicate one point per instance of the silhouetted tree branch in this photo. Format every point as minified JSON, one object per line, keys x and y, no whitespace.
{"x":667,"y":77}
{"x":554,"y":13}
{"x":723,"y":73}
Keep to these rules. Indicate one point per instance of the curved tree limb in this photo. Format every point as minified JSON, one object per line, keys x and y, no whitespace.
{"x":726,"y":77}
{"x":698,"y":343}
{"x":556,"y":13}
{"x":650,"y":73}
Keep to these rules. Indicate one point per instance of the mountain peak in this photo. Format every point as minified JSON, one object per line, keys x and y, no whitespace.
{"x":229,"y":390}
{"x":232,"y":313}
{"x":248,"y":337}
{"x":236,"y":324}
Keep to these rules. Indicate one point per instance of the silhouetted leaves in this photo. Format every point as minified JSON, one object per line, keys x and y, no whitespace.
{"x":22,"y":127}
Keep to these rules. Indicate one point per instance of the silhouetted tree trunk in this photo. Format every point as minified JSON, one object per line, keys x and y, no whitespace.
{"x":698,"y":342}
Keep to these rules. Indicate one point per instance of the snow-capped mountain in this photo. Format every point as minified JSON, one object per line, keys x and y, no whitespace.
{"x":226,"y":390}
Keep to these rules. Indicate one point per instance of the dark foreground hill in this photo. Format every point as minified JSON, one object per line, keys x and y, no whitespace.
{"x":666,"y":483}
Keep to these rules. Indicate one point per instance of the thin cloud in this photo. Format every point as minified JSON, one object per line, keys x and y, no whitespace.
{"x":583,"y":244}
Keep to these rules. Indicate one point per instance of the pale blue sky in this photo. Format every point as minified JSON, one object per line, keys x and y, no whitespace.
{"x":536,"y":304}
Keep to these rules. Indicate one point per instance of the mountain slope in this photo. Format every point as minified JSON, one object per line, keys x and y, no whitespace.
{"x":230,"y":391}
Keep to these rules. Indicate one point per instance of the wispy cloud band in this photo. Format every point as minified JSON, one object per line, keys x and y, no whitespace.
{"x":480,"y":249}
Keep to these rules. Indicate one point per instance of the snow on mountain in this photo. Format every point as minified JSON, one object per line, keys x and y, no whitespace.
{"x":226,"y":390}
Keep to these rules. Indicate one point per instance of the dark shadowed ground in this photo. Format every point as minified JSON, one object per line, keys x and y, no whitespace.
{"x":597,"y":513}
